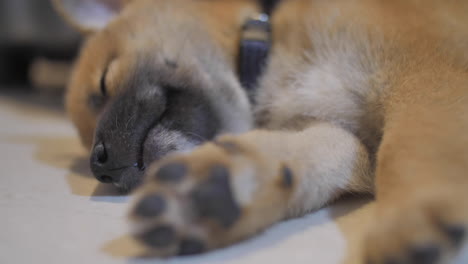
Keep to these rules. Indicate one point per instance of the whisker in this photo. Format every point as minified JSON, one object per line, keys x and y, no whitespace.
{"x":196,"y":135}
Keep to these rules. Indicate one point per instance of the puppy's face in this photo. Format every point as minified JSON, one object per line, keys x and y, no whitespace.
{"x":153,"y":78}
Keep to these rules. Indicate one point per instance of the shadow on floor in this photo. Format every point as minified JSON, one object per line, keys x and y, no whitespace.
{"x":67,"y":153}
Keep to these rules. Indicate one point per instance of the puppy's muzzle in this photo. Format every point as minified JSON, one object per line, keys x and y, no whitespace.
{"x":117,"y":155}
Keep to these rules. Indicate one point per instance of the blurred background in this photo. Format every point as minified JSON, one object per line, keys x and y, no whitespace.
{"x":36,"y":48}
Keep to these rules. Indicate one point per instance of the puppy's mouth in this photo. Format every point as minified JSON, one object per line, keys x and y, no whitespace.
{"x":124,"y":178}
{"x":158,"y":142}
{"x":129,"y":179}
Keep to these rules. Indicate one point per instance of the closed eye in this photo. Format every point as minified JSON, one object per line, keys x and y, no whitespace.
{"x":102,"y":83}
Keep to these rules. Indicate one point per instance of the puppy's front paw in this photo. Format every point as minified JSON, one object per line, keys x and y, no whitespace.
{"x":219,"y":194}
{"x":421,"y":231}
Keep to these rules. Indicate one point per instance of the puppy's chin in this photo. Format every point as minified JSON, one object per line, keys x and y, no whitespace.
{"x":159,"y":143}
{"x":130,"y":179}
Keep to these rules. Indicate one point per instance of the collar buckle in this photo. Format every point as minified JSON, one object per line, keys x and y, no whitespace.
{"x":254,"y":49}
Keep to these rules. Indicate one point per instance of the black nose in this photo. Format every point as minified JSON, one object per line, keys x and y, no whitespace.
{"x":100,"y":166}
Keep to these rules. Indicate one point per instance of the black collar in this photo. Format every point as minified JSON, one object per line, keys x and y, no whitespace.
{"x":255,"y":46}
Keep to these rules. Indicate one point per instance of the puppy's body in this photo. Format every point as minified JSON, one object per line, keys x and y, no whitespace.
{"x":342,"y":61}
{"x":352,"y":89}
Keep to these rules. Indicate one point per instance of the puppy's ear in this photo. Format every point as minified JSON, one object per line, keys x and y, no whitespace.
{"x":89,"y":15}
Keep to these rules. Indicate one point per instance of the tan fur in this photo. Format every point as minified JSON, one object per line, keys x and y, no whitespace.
{"x":351,"y":87}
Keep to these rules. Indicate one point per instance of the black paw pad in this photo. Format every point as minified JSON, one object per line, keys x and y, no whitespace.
{"x":159,"y":237}
{"x":456,"y":234}
{"x":229,"y":147}
{"x":172,"y":172}
{"x":150,"y":206}
{"x":424,"y":255}
{"x":214,"y":198}
{"x":287,"y":177}
{"x":191,"y":247}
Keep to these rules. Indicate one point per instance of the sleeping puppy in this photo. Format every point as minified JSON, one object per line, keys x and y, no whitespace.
{"x":365,"y":96}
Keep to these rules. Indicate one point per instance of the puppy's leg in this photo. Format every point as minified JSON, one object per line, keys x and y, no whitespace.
{"x":232,"y":188}
{"x":422,"y":181}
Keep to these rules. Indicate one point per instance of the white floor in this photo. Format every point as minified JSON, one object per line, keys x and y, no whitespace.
{"x":53,"y":211}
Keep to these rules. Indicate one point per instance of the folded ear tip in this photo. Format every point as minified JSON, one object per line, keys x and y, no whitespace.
{"x":88,"y":15}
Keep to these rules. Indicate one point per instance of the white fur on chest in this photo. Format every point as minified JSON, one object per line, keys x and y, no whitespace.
{"x":332,"y":83}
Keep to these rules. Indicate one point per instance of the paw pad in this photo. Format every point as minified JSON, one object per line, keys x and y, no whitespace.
{"x":214,"y":198}
{"x":191,"y":247}
{"x":172,"y":172}
{"x":150,"y":206}
{"x":159,"y":237}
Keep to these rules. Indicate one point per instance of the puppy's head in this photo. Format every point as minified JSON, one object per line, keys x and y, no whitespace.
{"x":154,"y":77}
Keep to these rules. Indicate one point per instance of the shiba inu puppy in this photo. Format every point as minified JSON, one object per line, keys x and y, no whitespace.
{"x":356,"y":96}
